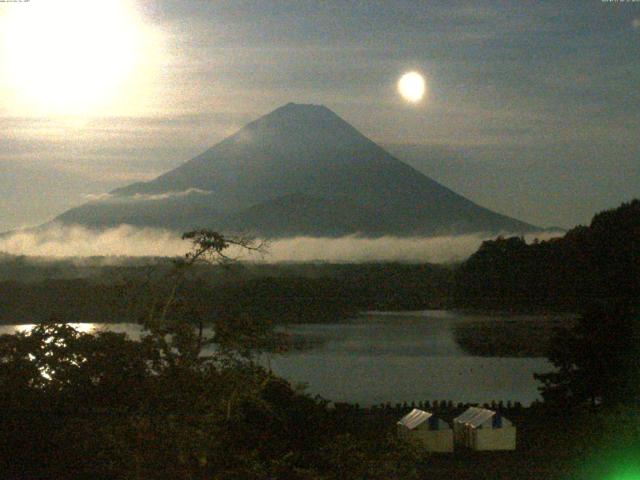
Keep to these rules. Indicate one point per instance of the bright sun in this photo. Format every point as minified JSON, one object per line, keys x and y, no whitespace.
{"x":412,"y":87}
{"x":68,"y":56}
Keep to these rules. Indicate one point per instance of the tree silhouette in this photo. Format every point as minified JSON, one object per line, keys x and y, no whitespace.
{"x":596,"y":359}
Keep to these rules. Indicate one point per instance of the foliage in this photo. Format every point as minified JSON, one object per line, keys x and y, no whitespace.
{"x":597,"y":359}
{"x":77,"y":405}
{"x":80,"y":405}
{"x":601,"y":261}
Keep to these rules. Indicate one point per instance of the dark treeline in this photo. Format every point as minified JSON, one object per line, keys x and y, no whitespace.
{"x":285,"y":293}
{"x":598,"y":262}
{"x":28,"y":269}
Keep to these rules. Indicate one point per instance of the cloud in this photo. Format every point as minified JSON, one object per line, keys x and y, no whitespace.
{"x":125,"y":240}
{"x":77,"y":241}
{"x":443,"y":249}
{"x":142,"y":197}
{"x":98,"y":197}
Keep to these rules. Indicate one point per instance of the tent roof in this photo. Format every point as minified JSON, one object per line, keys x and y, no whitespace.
{"x":480,"y":417}
{"x":475,"y":416}
{"x":465,"y":416}
{"x":414,"y":418}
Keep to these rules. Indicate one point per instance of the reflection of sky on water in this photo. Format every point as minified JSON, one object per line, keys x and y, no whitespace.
{"x":371,"y":379}
{"x":130,"y":329}
{"x":391,"y":357}
{"x":382,"y":335}
{"x":406,"y":356}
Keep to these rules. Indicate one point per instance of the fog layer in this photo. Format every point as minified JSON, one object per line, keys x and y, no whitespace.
{"x":125,"y":240}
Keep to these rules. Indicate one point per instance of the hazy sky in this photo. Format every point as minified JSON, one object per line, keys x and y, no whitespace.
{"x":533,"y":107}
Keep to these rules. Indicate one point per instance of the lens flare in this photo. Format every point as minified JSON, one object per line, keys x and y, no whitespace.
{"x":69,"y":56}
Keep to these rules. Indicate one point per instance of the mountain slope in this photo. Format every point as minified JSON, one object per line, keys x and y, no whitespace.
{"x":343,"y":183}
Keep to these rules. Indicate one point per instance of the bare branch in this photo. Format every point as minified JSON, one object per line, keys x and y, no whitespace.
{"x":210,"y":246}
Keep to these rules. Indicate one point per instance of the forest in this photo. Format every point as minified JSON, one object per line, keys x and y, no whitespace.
{"x":599,"y":261}
{"x":296,"y":293}
{"x":80,"y":405}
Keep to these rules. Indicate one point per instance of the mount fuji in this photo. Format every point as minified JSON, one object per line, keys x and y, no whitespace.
{"x":299,"y":170}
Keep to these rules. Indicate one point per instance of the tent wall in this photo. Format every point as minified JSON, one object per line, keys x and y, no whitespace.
{"x":492,"y":438}
{"x":425,"y":437}
{"x":430,"y":440}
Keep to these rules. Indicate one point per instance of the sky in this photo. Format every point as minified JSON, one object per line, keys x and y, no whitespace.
{"x":533,"y":108}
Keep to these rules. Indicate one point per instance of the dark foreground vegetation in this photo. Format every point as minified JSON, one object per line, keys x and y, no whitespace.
{"x":81,"y":406}
{"x":76,"y":405}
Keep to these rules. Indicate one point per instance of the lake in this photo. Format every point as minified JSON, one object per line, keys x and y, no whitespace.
{"x":393,"y":357}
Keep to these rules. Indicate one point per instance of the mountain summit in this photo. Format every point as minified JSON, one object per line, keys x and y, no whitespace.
{"x":299,"y":170}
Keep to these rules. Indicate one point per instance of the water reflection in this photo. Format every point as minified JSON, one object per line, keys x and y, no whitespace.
{"x":130,"y":329}
{"x":395,"y":357}
{"x":389,"y":357}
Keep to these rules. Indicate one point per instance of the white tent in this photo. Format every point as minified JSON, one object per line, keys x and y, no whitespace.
{"x":460,"y":425}
{"x":426,"y":430}
{"x":482,"y":429}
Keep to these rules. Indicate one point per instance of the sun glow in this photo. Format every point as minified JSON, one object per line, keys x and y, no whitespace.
{"x":412,"y":87}
{"x":69,"y":57}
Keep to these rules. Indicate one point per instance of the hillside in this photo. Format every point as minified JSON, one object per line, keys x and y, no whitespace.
{"x":590,"y":263}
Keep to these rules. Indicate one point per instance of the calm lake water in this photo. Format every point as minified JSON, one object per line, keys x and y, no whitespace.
{"x":393,"y":357}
